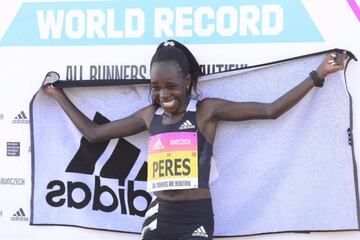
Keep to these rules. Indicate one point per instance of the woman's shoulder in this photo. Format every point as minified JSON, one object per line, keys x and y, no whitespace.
{"x":148,"y":110}
{"x":147,"y":113}
{"x":206,"y":107}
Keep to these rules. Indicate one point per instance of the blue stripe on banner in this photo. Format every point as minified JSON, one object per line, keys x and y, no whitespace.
{"x":149,"y":22}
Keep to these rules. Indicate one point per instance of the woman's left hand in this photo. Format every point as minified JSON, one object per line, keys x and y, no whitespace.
{"x":332,"y":63}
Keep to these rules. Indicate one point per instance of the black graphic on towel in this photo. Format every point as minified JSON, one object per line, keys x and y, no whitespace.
{"x":119,"y":164}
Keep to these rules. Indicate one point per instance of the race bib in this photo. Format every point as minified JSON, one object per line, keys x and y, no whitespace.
{"x":172,"y":161}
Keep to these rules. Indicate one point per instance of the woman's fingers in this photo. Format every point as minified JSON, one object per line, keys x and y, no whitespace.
{"x":332,"y":63}
{"x":337,"y":58}
{"x":48,"y":85}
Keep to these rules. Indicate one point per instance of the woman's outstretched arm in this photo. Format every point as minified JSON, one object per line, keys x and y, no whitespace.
{"x":93,"y":132}
{"x":219,"y":109}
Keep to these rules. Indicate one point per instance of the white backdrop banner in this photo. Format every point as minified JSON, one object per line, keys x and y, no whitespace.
{"x":295,"y":173}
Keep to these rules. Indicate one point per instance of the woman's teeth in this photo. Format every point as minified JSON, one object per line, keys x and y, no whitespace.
{"x":169,"y":103}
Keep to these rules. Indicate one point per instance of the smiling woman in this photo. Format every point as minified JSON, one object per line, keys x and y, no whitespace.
{"x":182,"y":131}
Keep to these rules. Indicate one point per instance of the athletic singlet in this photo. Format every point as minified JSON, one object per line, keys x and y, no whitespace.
{"x":178,"y":154}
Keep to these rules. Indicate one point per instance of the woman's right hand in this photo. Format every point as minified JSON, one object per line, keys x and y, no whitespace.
{"x":48,"y":86}
{"x":52,"y":91}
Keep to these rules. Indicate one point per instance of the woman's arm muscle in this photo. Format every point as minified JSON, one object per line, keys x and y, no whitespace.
{"x":237,"y":111}
{"x":93,"y":132}
{"x":219,"y":109}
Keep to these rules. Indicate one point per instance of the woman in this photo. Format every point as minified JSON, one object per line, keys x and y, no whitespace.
{"x":179,"y":179}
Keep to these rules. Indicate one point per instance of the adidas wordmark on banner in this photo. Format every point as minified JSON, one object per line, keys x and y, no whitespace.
{"x":19,"y":216}
{"x":20,"y":118}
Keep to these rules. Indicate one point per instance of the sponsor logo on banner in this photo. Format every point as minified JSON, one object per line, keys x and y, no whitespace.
{"x":13,"y":149}
{"x":21,"y":118}
{"x":19,"y":216}
{"x":148,"y":22}
{"x":12,"y":181}
{"x":117,"y":167}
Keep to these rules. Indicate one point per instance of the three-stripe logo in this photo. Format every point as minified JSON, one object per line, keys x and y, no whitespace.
{"x":200,"y":232}
{"x":21,"y":118}
{"x":117,"y":166}
{"x":119,"y":162}
{"x":186,"y":125}
{"x":19,"y":216}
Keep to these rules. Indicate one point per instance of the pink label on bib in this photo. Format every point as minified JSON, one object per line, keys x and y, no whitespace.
{"x":173,"y":142}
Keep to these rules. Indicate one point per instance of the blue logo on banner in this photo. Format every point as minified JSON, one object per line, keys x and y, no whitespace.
{"x":130,"y":22}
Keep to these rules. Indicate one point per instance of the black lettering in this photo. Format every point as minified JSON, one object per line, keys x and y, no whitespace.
{"x":219,"y":67}
{"x":81,"y":72}
{"x":132,"y":195}
{"x":71,"y":186}
{"x":134,"y":72}
{"x":72,"y":72}
{"x":161,"y":167}
{"x":69,"y":73}
{"x":59,"y":189}
{"x":122,"y":200}
{"x":126,"y":75}
{"x":177,"y":166}
{"x":102,"y":69}
{"x":214,"y":68}
{"x":109,"y":72}
{"x":155,"y":168}
{"x":168,"y":166}
{"x":232,"y":66}
{"x":118,"y":73}
{"x":97,"y":204}
{"x":56,"y":193}
{"x":93,"y":72}
{"x":142,"y":71}
{"x":186,"y":163}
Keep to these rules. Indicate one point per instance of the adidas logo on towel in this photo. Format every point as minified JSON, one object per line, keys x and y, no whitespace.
{"x":21,"y":118}
{"x":200,"y":232}
{"x":186,"y":125}
{"x":103,"y":160}
{"x":158,"y":145}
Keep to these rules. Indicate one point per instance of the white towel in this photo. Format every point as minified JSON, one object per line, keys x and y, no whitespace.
{"x":296,"y":173}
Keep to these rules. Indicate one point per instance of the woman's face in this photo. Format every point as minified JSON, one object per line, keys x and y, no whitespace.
{"x":168,"y":86}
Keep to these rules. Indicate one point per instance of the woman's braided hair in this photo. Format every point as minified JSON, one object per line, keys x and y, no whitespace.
{"x":172,"y":50}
